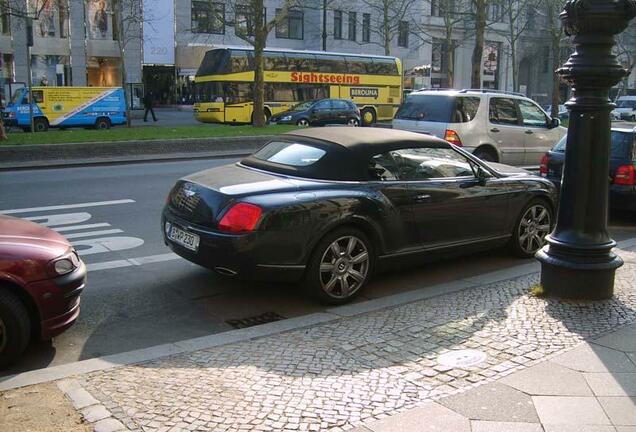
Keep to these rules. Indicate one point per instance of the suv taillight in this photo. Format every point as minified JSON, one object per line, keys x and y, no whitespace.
{"x":241,"y":217}
{"x":452,"y":137}
{"x":543,"y":167}
{"x":624,"y":175}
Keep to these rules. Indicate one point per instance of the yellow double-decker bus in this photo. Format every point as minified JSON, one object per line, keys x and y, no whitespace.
{"x":224,"y":83}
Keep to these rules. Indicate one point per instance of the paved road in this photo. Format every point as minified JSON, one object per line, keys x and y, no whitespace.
{"x":139,"y":294}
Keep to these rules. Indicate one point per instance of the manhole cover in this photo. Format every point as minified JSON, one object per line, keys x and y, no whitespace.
{"x":461,"y":358}
{"x":267,"y":317}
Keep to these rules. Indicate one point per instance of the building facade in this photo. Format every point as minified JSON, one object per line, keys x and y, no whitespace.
{"x":160,"y":43}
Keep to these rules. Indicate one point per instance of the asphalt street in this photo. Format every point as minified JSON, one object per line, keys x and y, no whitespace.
{"x":138,"y":293}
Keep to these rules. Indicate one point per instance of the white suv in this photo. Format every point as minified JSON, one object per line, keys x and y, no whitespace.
{"x":495,"y":126}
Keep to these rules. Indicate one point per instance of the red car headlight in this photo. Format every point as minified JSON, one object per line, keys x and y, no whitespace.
{"x":64,"y":264}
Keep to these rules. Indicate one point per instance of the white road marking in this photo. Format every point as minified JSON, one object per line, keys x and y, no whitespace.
{"x":106,"y":244}
{"x":92,"y":233}
{"x":67,"y":206}
{"x":60,"y":219}
{"x":79,"y":227}
{"x":107,"y":265}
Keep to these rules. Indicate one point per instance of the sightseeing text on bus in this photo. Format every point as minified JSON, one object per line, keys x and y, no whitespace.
{"x":324,"y":78}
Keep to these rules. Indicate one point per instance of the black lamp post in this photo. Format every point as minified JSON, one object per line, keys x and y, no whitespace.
{"x":578,"y":262}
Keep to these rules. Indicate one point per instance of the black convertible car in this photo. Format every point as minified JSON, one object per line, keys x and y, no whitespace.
{"x":331,"y":206}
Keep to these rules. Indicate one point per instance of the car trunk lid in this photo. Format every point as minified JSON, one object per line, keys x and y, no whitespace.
{"x":201,"y":197}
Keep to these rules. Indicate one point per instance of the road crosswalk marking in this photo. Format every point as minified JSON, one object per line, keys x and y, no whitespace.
{"x":67,"y":206}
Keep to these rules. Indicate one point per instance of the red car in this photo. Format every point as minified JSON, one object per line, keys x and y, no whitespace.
{"x":41,"y":278}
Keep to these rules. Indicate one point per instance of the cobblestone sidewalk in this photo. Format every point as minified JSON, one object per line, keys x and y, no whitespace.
{"x":338,"y":375}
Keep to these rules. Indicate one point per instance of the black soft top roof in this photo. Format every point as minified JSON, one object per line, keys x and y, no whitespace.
{"x":348,"y":150}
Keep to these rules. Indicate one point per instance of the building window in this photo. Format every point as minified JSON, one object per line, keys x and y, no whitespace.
{"x":491,"y":65}
{"x":337,"y":24}
{"x":5,"y":25}
{"x":438,"y":7}
{"x":366,"y":27}
{"x":531,"y":15}
{"x":438,"y":58}
{"x":352,"y":26}
{"x":546,"y":59}
{"x":496,"y":11}
{"x":291,"y":26}
{"x":244,"y":20}
{"x":208,"y":17}
{"x":403,"y":34}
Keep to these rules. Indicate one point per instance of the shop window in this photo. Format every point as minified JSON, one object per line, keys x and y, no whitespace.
{"x":99,"y":19}
{"x":290,"y":26}
{"x":208,"y":17}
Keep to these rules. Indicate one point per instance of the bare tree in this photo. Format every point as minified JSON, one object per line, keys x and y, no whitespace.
{"x":388,"y":17}
{"x":555,"y":33}
{"x":480,"y":22}
{"x":626,"y":51}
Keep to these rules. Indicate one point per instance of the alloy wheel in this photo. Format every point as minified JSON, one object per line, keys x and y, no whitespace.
{"x":344,"y":267}
{"x":3,"y":336}
{"x":353,"y":122}
{"x":303,"y":122}
{"x":534,"y":226}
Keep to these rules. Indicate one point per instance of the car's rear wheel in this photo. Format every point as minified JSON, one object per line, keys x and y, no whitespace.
{"x":303,"y":122}
{"x":15,"y":328}
{"x":533,"y":224}
{"x":340,"y":266}
{"x":353,"y":122}
{"x":486,"y":154}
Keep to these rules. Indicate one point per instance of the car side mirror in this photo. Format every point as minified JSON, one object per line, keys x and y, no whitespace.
{"x":482,"y":175}
{"x":554,"y":123}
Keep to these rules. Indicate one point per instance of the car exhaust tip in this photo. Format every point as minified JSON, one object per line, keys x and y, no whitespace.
{"x":225,"y":271}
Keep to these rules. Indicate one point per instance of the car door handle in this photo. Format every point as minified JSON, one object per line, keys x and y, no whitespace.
{"x":529,"y":132}
{"x":422,"y":198}
{"x":494,"y":130}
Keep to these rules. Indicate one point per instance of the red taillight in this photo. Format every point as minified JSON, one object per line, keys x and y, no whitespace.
{"x":452,"y":137}
{"x":624,"y":175}
{"x":543,"y":167}
{"x":241,"y":217}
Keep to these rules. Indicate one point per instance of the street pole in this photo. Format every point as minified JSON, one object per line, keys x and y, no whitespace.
{"x":29,"y":30}
{"x":578,"y":262}
{"x":324,"y":25}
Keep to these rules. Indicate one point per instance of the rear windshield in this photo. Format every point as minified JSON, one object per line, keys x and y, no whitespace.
{"x":622,"y":143}
{"x":288,"y":153}
{"x":626,"y":103}
{"x":438,"y":108}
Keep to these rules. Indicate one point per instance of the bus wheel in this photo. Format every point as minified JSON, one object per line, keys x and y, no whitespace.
{"x":102,"y":123}
{"x":40,"y":125}
{"x":303,"y":122}
{"x":368,"y":116}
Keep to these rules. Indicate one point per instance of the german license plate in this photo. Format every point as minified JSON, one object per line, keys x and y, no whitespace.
{"x":181,"y":237}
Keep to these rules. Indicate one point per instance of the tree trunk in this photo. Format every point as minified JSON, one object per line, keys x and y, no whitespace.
{"x":122,"y":65}
{"x":260,"y":41}
{"x":513,"y":48}
{"x":450,"y":58}
{"x":478,"y":51}
{"x":386,"y":27}
{"x":555,"y":39}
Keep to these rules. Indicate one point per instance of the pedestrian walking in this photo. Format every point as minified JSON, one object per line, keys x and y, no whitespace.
{"x":148,"y":102}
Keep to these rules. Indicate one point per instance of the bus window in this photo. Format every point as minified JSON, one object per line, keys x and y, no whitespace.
{"x":214,"y":62}
{"x":384,"y":66}
{"x":275,"y":61}
{"x":330,"y":63}
{"x":301,"y":62}
{"x":240,"y":61}
{"x":280,"y":92}
{"x":38,"y":96}
{"x":358,"y":65}
{"x":310,"y":92}
{"x":237,"y":92}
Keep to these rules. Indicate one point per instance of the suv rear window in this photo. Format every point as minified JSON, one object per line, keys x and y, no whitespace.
{"x":433,"y":108}
{"x":289,"y":153}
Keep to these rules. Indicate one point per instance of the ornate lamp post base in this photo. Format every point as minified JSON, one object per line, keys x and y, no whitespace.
{"x":578,"y":275}
{"x":577,"y":261}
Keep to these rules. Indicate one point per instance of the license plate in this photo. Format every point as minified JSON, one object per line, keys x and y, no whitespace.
{"x":181,"y":237}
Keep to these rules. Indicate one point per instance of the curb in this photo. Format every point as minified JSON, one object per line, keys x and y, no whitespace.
{"x":73,"y":154}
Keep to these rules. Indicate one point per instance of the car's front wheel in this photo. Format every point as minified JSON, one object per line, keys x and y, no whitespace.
{"x":353,"y":122}
{"x":15,"y":328}
{"x":533,"y":224}
{"x":340,"y":266}
{"x":302,"y":122}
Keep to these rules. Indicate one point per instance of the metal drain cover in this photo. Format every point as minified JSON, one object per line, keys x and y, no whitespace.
{"x":267,"y":317}
{"x":461,"y":358}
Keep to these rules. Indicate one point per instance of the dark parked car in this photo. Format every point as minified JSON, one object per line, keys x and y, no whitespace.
{"x":330,"y":206}
{"x":622,"y":182}
{"x":41,"y":278}
{"x":320,"y":112}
